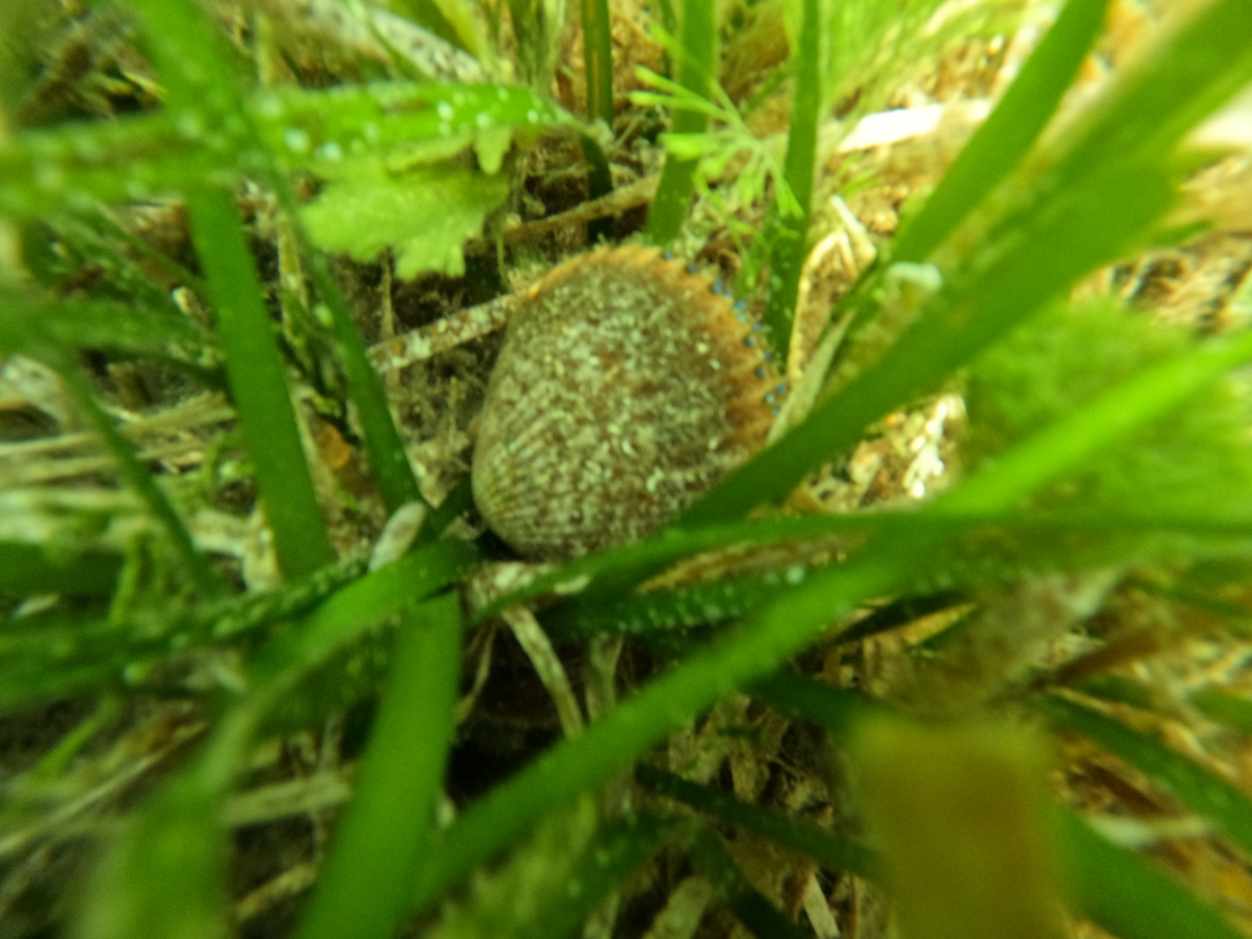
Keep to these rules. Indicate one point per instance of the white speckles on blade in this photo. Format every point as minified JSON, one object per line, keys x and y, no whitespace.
{"x":190,"y":125}
{"x":623,"y":391}
{"x":330,"y":151}
{"x":50,"y":177}
{"x":296,"y":139}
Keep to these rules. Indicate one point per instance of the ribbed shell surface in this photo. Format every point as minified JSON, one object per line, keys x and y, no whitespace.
{"x":625,"y":388}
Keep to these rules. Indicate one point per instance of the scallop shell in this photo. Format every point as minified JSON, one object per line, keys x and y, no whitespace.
{"x":625,"y":388}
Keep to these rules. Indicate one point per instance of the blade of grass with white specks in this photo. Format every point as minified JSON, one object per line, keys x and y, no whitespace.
{"x":696,"y":70}
{"x":832,"y":852}
{"x":1006,"y":136}
{"x":1211,"y":797}
{"x":1126,"y":895}
{"x":111,"y":326}
{"x":383,"y":840}
{"x":789,"y":226}
{"x":258,"y":384}
{"x":29,"y":568}
{"x":752,"y":908}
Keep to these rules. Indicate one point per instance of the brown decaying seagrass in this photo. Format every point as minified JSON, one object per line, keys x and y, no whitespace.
{"x":626,"y":387}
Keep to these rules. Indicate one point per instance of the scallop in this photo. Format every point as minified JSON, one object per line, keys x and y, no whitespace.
{"x":625,"y":388}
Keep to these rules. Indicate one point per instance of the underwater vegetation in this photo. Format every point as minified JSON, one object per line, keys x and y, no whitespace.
{"x":769,"y":467}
